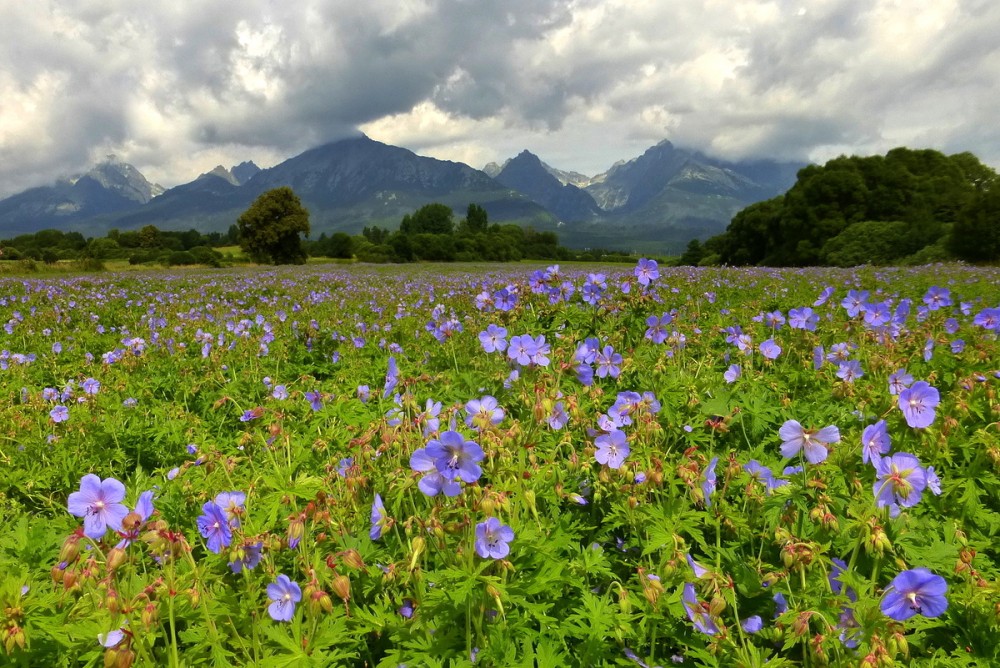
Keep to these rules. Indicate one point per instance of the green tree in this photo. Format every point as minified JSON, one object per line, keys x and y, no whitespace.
{"x":270,"y":228}
{"x":432,"y":218}
{"x":476,"y":219}
{"x":340,"y":245}
{"x":975,"y":236}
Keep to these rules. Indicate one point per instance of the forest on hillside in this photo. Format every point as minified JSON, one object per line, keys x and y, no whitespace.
{"x":906,"y":207}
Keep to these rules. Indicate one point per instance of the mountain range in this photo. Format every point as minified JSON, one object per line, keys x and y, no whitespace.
{"x":655,"y":203}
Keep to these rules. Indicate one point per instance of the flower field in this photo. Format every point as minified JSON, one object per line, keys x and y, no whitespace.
{"x":525,"y":466}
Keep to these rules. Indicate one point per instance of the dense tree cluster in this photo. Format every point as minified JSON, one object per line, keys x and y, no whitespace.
{"x":908,"y":206}
{"x":270,"y":229}
{"x":147,"y":244}
{"x":431,"y":234}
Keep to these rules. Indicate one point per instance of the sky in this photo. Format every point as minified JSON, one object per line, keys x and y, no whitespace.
{"x":176,"y":88}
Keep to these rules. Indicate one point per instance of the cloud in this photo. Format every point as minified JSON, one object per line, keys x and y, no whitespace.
{"x":178,"y":87}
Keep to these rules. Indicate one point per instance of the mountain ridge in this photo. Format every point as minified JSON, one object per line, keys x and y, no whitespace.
{"x":656,"y":201}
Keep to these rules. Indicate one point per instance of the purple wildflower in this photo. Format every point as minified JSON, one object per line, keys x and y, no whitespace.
{"x":59,"y":414}
{"x":612,"y":449}
{"x":646,"y":271}
{"x":901,"y":480}
{"x":284,"y":594}
{"x":795,"y":437}
{"x":492,"y":539}
{"x":481,"y":413}
{"x":769,"y":349}
{"x":99,"y":503}
{"x":252,"y":553}
{"x":214,"y":527}
{"x":915,"y":592}
{"x":493,"y":339}
{"x":697,"y":611}
{"x":918,"y":402}
{"x":456,"y":458}
{"x":874,"y":442}
{"x":379,"y":520}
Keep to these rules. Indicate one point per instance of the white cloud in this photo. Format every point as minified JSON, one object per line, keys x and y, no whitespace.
{"x":178,"y":87}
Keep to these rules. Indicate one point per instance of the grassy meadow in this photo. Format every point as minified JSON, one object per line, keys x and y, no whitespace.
{"x":518,"y":465}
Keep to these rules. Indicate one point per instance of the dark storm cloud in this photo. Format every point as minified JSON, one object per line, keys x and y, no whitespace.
{"x":180,"y":86}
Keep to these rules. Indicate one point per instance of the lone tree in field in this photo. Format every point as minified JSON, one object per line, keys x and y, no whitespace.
{"x":269,"y":229}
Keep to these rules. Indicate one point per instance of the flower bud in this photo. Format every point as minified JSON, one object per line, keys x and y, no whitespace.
{"x":150,"y":615}
{"x":801,"y":624}
{"x":296,"y":530}
{"x":418,"y":544}
{"x":716,"y":606}
{"x":112,"y":602}
{"x":116,"y":557}
{"x":70,"y":549}
{"x":624,"y":602}
{"x":899,"y":645}
{"x":341,"y":586}
{"x":195,"y":596}
{"x":529,"y":499}
{"x":352,"y":558}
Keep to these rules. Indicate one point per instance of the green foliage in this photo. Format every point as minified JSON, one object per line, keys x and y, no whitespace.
{"x":975,"y":236}
{"x":434,"y":218}
{"x":270,"y":229}
{"x":207,"y":386}
{"x":180,"y":258}
{"x":924,"y":191}
{"x":870,"y":242}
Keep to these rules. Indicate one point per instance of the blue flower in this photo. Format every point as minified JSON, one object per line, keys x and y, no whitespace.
{"x":612,"y":449}
{"x":732,"y":373}
{"x":918,"y":403}
{"x":915,"y":592}
{"x":697,"y":611}
{"x":252,"y":553}
{"x":214,"y":527}
{"x":646,"y":271}
{"x":379,"y":520}
{"x":492,"y":539}
{"x":795,"y":437}
{"x":493,"y":339}
{"x":99,"y":503}
{"x":770,"y":349}
{"x":456,"y":458}
{"x":284,"y":594}
{"x":391,"y":378}
{"x":874,"y":442}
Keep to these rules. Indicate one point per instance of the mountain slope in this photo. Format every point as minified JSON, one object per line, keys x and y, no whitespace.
{"x":530,"y":176}
{"x":111,"y":186}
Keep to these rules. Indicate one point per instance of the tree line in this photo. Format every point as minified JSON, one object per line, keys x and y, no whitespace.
{"x":906,"y":207}
{"x":147,"y":244}
{"x":271,"y":231}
